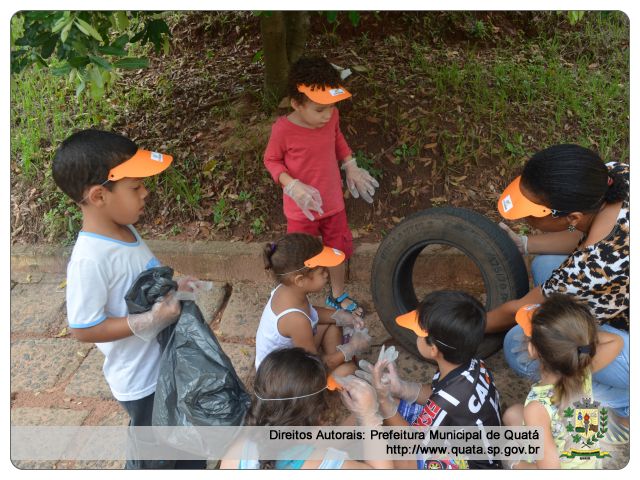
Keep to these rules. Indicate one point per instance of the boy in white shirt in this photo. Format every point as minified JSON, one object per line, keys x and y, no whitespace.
{"x":103,"y":172}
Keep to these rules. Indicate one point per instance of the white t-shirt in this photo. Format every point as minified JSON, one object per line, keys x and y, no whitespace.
{"x":268,"y":337}
{"x":100,"y":272}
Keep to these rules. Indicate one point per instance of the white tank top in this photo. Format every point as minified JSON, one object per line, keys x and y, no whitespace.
{"x":268,"y":338}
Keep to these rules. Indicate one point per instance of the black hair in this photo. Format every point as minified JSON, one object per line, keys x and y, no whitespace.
{"x":564,"y":333}
{"x":288,"y":254}
{"x":311,"y":71}
{"x":286,"y":373}
{"x":85,"y":158}
{"x":571,"y":178}
{"x":455,"y":322}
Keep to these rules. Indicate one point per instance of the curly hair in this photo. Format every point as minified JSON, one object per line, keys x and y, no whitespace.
{"x":288,"y":253}
{"x":314,"y":72}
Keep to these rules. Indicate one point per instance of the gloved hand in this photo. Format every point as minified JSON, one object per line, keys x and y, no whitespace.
{"x":521,"y":241}
{"x":359,"y":182}
{"x":164,"y":312}
{"x":306,"y":197}
{"x":360,"y":398}
{"x":347,"y":319}
{"x":360,"y":342}
{"x":366,"y":372}
{"x":404,"y":389}
{"x":388,"y":404}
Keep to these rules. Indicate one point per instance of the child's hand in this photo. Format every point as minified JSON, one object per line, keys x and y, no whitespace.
{"x":164,"y":312}
{"x":347,"y":319}
{"x":360,"y":342}
{"x":359,"y":182}
{"x":306,"y":197}
{"x":360,"y":398}
{"x":521,"y":241}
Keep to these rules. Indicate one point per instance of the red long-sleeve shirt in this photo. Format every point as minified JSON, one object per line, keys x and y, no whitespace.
{"x":311,"y":155}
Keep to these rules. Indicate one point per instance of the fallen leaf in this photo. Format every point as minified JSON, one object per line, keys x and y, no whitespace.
{"x":396,"y":219}
{"x":432,"y":146}
{"x":62,"y":284}
{"x":360,"y":68}
{"x":62,"y":333}
{"x":398,"y":183}
{"x":29,"y":278}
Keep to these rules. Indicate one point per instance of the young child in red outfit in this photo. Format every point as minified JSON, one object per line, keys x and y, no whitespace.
{"x":304,"y":152}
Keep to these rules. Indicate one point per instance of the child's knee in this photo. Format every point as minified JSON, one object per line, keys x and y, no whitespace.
{"x":514,"y":415}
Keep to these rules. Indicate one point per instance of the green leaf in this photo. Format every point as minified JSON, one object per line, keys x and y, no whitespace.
{"x":569,"y":428}
{"x":64,"y":69}
{"x":87,"y":29}
{"x":95,"y":76}
{"x":576,"y":438}
{"x":121,"y":41}
{"x":100,"y":62}
{"x":122,"y":20}
{"x":65,"y":32}
{"x":258,"y":56}
{"x":354,"y":17}
{"x":111,"y":50}
{"x":331,"y":16}
{"x":61,"y":23}
{"x":132,"y":63}
{"x":79,"y":62}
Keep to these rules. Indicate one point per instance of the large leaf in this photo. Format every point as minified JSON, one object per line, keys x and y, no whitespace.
{"x":132,"y":63}
{"x":87,"y":29}
{"x":100,"y":62}
{"x":111,"y":50}
{"x":79,"y":61}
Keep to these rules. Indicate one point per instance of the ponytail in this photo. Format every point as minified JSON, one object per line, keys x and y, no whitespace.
{"x":618,"y":189}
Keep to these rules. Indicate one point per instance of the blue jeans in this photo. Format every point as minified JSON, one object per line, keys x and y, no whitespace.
{"x":610,"y":385}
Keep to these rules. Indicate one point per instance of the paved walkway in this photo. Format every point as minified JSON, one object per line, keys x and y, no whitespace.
{"x":55,"y":380}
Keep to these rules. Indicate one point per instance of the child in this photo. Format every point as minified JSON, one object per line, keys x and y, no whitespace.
{"x":103,"y":173}
{"x":449,"y":326}
{"x":291,"y":390}
{"x":299,"y":262}
{"x":563,"y":336}
{"x":303,"y":153}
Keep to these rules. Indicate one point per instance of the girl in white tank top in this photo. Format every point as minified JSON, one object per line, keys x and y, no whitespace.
{"x":300,"y":262}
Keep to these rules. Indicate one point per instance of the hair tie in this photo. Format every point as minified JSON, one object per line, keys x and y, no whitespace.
{"x":273,"y":247}
{"x":585,"y":349}
{"x":609,"y":181}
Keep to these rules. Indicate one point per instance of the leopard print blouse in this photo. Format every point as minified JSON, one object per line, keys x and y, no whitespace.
{"x":599,"y":274}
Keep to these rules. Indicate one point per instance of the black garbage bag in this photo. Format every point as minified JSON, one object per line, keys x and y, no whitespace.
{"x":197,"y":384}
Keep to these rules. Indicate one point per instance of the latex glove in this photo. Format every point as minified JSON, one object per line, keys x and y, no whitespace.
{"x":164,"y":312}
{"x":388,"y":404}
{"x":306,"y":197}
{"x":360,"y":398}
{"x":347,"y":319}
{"x":366,"y":372}
{"x":359,"y":182}
{"x":404,"y":389}
{"x":521,"y":241}
{"x":359,"y":342}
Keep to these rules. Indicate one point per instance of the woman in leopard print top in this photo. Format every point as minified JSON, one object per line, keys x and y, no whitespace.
{"x":582,"y":207}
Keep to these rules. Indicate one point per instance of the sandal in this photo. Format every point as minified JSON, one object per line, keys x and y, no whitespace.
{"x":337,"y":303}
{"x":616,"y":434}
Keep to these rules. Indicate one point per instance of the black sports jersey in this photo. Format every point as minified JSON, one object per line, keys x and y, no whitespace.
{"x":467,"y":396}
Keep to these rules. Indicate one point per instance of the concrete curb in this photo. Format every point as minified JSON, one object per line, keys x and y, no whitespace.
{"x":242,"y":262}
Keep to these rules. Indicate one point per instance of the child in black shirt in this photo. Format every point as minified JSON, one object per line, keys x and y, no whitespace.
{"x":449,"y":326}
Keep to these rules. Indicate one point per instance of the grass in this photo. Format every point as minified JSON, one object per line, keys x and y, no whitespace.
{"x":575,"y":80}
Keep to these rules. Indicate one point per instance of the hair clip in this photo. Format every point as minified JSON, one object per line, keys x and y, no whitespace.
{"x":585,"y":349}
{"x":273,"y":247}
{"x":609,"y":181}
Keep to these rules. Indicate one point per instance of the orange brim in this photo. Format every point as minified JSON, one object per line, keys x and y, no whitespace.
{"x":328,"y":257}
{"x":513,"y":205}
{"x":322,"y":95}
{"x":410,"y":321}
{"x":143,"y":164}
{"x":524,"y":317}
{"x":332,"y":384}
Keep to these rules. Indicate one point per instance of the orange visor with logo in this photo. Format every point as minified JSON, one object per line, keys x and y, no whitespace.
{"x":143,"y":164}
{"x":524,"y":317}
{"x":324,"y":95}
{"x":328,"y":257}
{"x":513,"y":205}
{"x":410,"y":321}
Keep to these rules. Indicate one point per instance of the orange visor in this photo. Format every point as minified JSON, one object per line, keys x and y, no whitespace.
{"x":332,"y":384}
{"x":324,"y":96}
{"x":524,"y":317}
{"x":143,"y":164}
{"x":328,"y":257}
{"x":410,"y":321}
{"x":513,"y":205}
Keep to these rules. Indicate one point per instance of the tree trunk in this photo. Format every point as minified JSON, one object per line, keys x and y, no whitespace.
{"x":274,"y":45}
{"x":297,"y":32}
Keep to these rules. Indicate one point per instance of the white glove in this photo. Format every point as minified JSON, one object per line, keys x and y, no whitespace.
{"x":360,"y":398}
{"x":399,"y":388}
{"x":305,"y":196}
{"x":347,"y":319}
{"x":147,"y":325}
{"x":359,"y":342}
{"x":521,"y":241}
{"x":359,"y":182}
